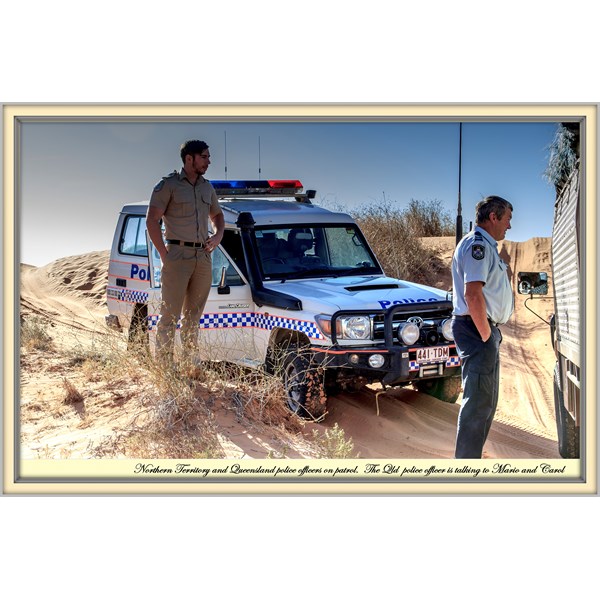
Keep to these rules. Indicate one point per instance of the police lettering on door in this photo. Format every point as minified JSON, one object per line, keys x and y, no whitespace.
{"x":140,"y":273}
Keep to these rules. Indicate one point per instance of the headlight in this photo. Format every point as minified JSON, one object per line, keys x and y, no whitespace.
{"x":348,"y":328}
{"x":447,"y":329}
{"x":356,"y":328}
{"x":408,"y":333}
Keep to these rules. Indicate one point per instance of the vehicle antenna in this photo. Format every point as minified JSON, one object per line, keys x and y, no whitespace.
{"x":225,"y":132}
{"x":459,"y":223}
{"x":259,"y":171}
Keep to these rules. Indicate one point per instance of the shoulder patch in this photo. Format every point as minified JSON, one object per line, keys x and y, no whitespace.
{"x":478,"y":251}
{"x":159,"y":186}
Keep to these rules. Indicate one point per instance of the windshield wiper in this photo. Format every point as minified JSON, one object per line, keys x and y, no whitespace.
{"x":361,"y":270}
{"x":315,"y":271}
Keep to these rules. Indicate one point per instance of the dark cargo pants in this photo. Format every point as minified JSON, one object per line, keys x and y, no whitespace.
{"x":481,"y":377}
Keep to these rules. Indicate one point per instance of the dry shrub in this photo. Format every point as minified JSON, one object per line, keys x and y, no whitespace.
{"x":185,"y":394}
{"x":255,"y":396}
{"x":152,"y":442}
{"x":428,"y":219}
{"x":394,"y":234}
{"x":175,"y":406}
{"x":72,"y":394}
{"x":332,"y":443}
{"x":34,"y":335}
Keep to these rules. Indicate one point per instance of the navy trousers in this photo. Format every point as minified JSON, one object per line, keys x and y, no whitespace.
{"x":481,"y":378}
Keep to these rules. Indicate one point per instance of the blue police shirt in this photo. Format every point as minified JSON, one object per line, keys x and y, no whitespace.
{"x":476,"y":258}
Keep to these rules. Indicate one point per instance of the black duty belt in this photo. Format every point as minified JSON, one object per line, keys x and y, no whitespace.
{"x":190,"y":244}
{"x":469,"y":318}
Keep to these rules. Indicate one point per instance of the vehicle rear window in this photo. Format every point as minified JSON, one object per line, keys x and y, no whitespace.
{"x":133,"y":236}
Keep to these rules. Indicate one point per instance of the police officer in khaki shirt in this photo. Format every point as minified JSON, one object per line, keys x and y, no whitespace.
{"x":185,"y":201}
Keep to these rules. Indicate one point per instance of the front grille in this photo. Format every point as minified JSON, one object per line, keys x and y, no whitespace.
{"x":385,"y":323}
{"x":430,"y":328}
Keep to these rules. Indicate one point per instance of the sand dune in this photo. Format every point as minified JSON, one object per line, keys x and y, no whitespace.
{"x":69,"y":295}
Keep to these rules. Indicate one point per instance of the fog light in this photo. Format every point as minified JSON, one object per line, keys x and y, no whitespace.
{"x":376,"y":361}
{"x":447,"y":329}
{"x":354,"y":358}
{"x":408,"y":333}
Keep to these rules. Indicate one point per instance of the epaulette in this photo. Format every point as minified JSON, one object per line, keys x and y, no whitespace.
{"x":478,"y":247}
{"x":161,"y":183}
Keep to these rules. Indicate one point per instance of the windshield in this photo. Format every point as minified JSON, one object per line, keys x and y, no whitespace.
{"x":314,"y":251}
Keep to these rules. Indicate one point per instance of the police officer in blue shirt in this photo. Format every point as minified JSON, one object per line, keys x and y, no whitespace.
{"x":483,"y":299}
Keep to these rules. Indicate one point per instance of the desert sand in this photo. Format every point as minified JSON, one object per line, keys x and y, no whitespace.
{"x":68,"y":297}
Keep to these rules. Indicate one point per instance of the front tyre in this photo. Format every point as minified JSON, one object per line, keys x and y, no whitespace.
{"x":304,"y":385}
{"x":446,"y":389}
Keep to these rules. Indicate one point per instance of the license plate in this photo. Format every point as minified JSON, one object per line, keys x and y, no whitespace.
{"x":433,"y":354}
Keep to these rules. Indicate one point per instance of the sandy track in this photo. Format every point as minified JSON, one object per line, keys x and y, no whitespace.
{"x":70,"y":291}
{"x":414,"y":425}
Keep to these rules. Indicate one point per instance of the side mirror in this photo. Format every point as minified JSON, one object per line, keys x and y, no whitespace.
{"x":223,"y":287}
{"x":532,"y":284}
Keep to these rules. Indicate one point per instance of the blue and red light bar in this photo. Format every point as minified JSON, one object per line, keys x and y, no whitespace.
{"x":257,"y":186}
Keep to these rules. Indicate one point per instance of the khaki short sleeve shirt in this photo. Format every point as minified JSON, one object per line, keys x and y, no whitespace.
{"x":187,"y":207}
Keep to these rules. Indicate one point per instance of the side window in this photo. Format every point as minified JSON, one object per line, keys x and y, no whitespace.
{"x":133,"y":237}
{"x":219,"y":260}
{"x":232,"y":242}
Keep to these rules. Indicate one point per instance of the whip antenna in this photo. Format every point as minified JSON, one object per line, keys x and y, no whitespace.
{"x":459,"y":222}
{"x":225,"y":133}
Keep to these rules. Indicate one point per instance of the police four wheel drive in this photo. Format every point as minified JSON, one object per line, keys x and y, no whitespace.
{"x":297,"y":291}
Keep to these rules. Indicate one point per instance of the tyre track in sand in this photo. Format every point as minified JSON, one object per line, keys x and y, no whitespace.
{"x":411,"y":424}
{"x":43,"y":296}
{"x":526,"y":356}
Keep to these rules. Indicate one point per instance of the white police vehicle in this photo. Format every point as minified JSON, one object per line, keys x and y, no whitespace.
{"x":296,"y":290}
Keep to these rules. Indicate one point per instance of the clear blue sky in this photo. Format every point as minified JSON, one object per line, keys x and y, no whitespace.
{"x":75,"y":177}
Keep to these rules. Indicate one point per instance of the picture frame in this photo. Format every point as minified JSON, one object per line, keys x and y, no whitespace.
{"x":284,"y":476}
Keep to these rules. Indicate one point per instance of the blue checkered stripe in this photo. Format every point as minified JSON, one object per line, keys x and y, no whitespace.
{"x":272,"y":321}
{"x":453,"y":361}
{"x":258,"y":320}
{"x":124,"y":295}
{"x":226,"y":320}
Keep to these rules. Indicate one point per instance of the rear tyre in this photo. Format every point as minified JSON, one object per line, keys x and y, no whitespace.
{"x":304,"y":385}
{"x":568,"y":432}
{"x":446,"y":389}
{"x":137,"y":340}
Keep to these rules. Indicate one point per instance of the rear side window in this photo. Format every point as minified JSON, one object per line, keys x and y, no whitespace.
{"x":133,"y":236}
